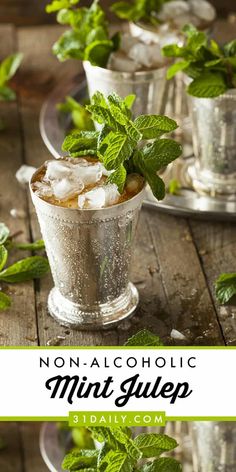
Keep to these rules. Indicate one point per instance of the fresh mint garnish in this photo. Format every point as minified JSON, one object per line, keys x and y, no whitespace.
{"x":81,"y":118}
{"x":225,"y":287}
{"x":88,"y":39}
{"x":8,"y":68}
{"x":136,"y":10}
{"x":122,"y":453}
{"x":23,"y":270}
{"x":211,"y":67}
{"x":144,"y":338}
{"x":121,"y":146}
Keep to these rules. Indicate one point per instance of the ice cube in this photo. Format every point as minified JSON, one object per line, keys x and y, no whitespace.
{"x":175,"y":334}
{"x":89,"y":174}
{"x":67,"y":188}
{"x":57,"y":170}
{"x":181,"y":20}
{"x":120,"y":62}
{"x":134,"y":182}
{"x":42,"y":189}
{"x":127,"y":41}
{"x":24,"y":174}
{"x":15,"y":213}
{"x":105,"y":171}
{"x":99,"y":197}
{"x":172,"y":9}
{"x":203,"y":10}
{"x":147,"y":55}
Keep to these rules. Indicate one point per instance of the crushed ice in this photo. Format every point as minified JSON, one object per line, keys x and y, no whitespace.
{"x":175,"y":334}
{"x":67,"y":178}
{"x":24,"y":174}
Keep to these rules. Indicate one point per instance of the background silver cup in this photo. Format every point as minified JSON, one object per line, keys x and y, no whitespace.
{"x":214,"y":446}
{"x":148,"y":86}
{"x":214,"y":144}
{"x":89,"y":252}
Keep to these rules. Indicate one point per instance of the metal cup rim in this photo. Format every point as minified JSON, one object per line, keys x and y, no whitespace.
{"x":141,"y":75}
{"x":105,"y":210}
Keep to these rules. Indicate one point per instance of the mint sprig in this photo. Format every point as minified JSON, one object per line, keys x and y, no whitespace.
{"x":8,"y":68}
{"x":211,"y":67}
{"x":144,"y":338}
{"x":225,"y":287}
{"x":80,"y":117}
{"x":88,"y":37}
{"x":122,"y":453}
{"x":136,"y":10}
{"x":23,"y":270}
{"x":121,"y":144}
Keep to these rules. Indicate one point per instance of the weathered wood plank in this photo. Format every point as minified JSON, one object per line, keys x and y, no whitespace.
{"x":216,"y":244}
{"x":17,"y":326}
{"x":11,"y":457}
{"x":33,"y":461}
{"x":191,"y":310}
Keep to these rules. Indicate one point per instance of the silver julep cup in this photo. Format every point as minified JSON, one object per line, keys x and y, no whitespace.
{"x":89,"y":253}
{"x":214,"y":446}
{"x":148,"y":86}
{"x":214,"y":144}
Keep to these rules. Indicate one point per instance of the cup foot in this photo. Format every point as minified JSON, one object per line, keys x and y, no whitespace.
{"x":79,"y":317}
{"x":204,"y":184}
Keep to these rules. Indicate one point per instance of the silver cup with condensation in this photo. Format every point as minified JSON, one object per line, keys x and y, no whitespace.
{"x":214,"y":446}
{"x":149,"y":86}
{"x":89,"y":253}
{"x":214,"y":144}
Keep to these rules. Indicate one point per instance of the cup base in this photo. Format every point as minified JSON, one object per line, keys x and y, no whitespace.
{"x":75,"y":316}
{"x":205,"y":185}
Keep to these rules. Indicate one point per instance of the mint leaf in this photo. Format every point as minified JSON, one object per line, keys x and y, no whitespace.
{"x":80,"y":460}
{"x":3,"y":256}
{"x":80,"y":141}
{"x":118,"y":177}
{"x":164,"y":464}
{"x":152,"y":445}
{"x":57,"y":5}
{"x":82,"y":438}
{"x":225,"y":287}
{"x":98,"y":52}
{"x":118,"y":149}
{"x":174,"y":187}
{"x":9,"y":67}
{"x":116,"y":461}
{"x":159,"y":154}
{"x":177,"y":67}
{"x":81,"y":118}
{"x":103,"y":116}
{"x":154,"y":126}
{"x":130,"y":446}
{"x":35,"y":246}
{"x":5,"y":301}
{"x":4,"y":233}
{"x":144,"y":338}
{"x":27,"y":269}
{"x":6,"y":93}
{"x":208,"y":85}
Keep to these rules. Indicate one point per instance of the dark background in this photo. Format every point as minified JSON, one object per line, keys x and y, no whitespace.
{"x":25,"y":12}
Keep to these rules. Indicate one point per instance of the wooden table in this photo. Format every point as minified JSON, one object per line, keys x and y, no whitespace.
{"x":176,"y":260}
{"x":21,"y":452}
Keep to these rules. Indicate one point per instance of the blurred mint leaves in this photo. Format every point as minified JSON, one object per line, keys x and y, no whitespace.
{"x":8,"y":68}
{"x":121,"y":146}
{"x":23,"y":270}
{"x":136,"y":10}
{"x":225,"y":287}
{"x":88,"y":37}
{"x":81,"y":118}
{"x":211,"y":67}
